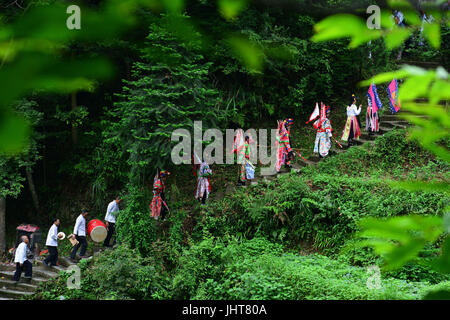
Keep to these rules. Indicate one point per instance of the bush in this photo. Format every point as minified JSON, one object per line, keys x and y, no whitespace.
{"x":115,"y":274}
{"x":258,"y":269}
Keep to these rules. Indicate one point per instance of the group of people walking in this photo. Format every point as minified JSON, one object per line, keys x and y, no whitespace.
{"x":284,"y":152}
{"x":23,"y":256}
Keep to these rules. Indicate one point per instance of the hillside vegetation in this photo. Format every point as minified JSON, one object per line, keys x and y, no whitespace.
{"x":288,"y":239}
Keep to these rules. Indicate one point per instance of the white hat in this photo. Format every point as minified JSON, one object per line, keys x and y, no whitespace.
{"x":61,"y":235}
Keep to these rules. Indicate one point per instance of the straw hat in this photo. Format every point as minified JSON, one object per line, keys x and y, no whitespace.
{"x":61,"y":235}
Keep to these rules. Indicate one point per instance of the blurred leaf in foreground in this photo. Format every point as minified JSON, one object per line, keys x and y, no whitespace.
{"x":344,"y":26}
{"x":400,"y":239}
{"x":230,"y":9}
{"x":14,"y":132}
{"x":248,"y":52}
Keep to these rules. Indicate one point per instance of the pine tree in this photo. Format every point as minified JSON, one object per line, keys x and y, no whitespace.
{"x":170,"y":89}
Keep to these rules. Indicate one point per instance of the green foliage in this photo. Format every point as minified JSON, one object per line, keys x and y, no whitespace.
{"x":11,"y":176}
{"x":117,"y":274}
{"x":258,"y":270}
{"x":169,"y":91}
{"x":134,"y":225}
{"x":74,"y":118}
{"x":350,"y":26}
{"x":400,"y":239}
{"x":323,"y":205}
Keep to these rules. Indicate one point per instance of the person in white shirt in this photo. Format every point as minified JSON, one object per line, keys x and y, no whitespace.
{"x":80,"y":234}
{"x":110,"y":220}
{"x":52,"y":244}
{"x":352,"y":128}
{"x":21,"y":260}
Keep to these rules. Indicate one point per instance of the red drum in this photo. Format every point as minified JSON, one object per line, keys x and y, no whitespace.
{"x":97,"y":230}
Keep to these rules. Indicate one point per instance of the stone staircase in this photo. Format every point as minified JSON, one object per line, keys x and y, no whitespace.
{"x":387,"y":123}
{"x":10,"y":290}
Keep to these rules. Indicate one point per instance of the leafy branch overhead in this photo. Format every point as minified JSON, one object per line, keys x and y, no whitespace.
{"x":400,"y":240}
{"x":356,"y":29}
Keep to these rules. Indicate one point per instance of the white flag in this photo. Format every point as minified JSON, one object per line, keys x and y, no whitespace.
{"x":315,"y":113}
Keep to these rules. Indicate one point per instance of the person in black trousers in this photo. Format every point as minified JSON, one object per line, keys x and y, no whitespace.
{"x":80,"y":234}
{"x":52,"y":244}
{"x":21,"y":259}
{"x":110,"y":220}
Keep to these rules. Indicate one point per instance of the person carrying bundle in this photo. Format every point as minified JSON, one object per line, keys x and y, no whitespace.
{"x":52,"y":244}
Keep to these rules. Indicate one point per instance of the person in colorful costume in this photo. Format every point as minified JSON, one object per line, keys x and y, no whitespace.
{"x":288,"y":123}
{"x":374,"y":103}
{"x":285,"y":154}
{"x":203,"y":183}
{"x":158,"y":205}
{"x":322,"y":144}
{"x":372,"y":119}
{"x":244,"y":156}
{"x":352,"y":127}
{"x":241,"y":147}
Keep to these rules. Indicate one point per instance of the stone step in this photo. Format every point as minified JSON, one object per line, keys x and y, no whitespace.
{"x":366,"y":136}
{"x":361,"y":141}
{"x":309,"y":162}
{"x":8,"y":275}
{"x":38,"y":268}
{"x":337,"y":150}
{"x":384,"y":129}
{"x":397,"y":117}
{"x":392,"y":124}
{"x":268,"y":179}
{"x":14,"y":294}
{"x":371,"y":136}
{"x":20,"y":286}
{"x":297,"y":165}
{"x":56,"y":268}
{"x":300,"y":164}
{"x":36,"y":273}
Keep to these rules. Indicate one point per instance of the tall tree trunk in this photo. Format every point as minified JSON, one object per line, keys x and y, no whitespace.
{"x":2,"y":225}
{"x":74,"y":128}
{"x":33,"y":190}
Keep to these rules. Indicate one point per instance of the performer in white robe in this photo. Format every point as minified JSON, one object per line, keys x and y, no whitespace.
{"x":352,"y":129}
{"x":322,"y":144}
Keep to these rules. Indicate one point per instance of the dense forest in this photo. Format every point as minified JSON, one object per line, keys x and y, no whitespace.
{"x":87,"y":116}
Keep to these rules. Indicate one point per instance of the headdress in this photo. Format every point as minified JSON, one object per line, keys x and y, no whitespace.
{"x":164,"y":173}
